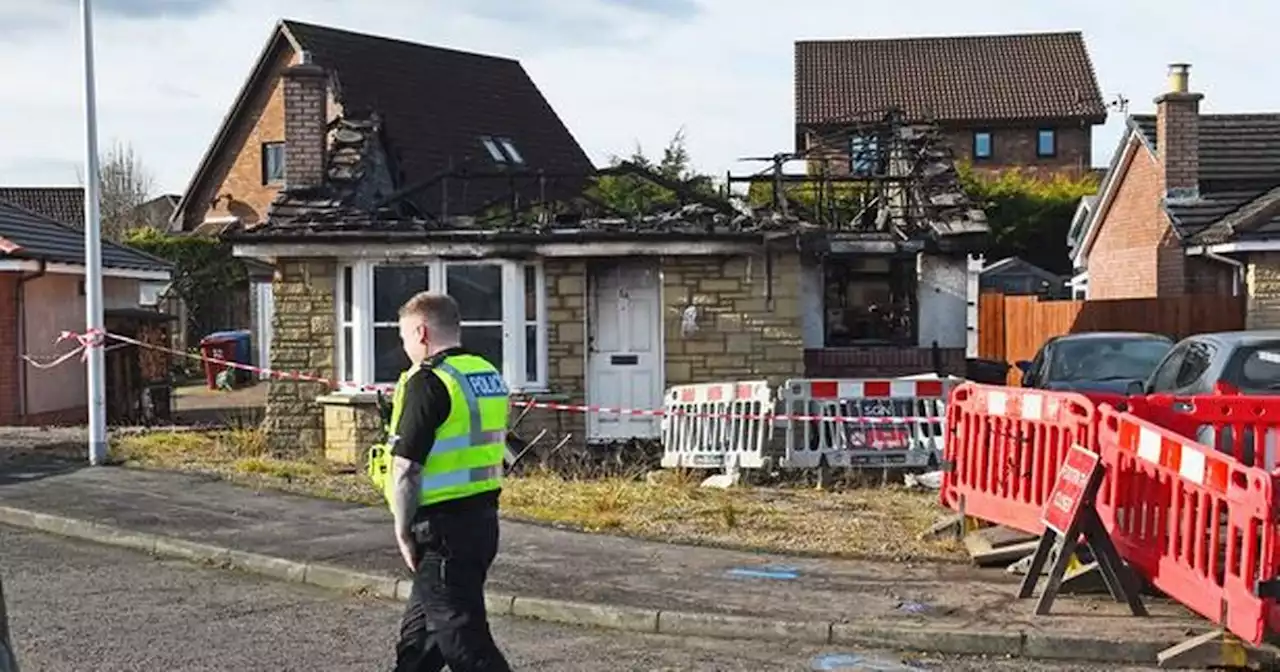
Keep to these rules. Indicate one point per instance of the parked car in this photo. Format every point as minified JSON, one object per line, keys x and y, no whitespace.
{"x":1101,"y":361}
{"x":1234,"y":362}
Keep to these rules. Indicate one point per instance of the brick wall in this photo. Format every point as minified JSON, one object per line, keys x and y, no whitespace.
{"x":742,"y":334}
{"x":1262,"y":281}
{"x":10,"y":385}
{"x":1017,"y":147}
{"x":882,"y":362}
{"x":1132,"y":250}
{"x":303,"y":341}
{"x":1010,"y":147}
{"x":1178,"y":140}
{"x":305,"y":89}
{"x":236,"y":187}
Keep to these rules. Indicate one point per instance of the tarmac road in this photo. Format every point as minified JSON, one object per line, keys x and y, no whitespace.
{"x":76,"y":606}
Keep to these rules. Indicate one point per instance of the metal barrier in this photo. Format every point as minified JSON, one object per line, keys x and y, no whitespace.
{"x":1191,"y":520}
{"x":714,"y":425}
{"x":855,"y":423}
{"x":1004,"y":447}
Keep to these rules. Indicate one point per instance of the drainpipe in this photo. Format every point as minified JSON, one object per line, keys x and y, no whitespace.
{"x":20,"y":304}
{"x":1238,"y":265}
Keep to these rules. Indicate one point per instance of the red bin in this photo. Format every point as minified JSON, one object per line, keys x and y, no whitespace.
{"x":215,"y":352}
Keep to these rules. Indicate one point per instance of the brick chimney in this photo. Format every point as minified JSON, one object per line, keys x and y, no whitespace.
{"x":1178,"y":134}
{"x":305,"y":138}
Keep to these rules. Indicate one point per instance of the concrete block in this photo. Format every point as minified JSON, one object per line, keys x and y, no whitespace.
{"x":578,"y":613}
{"x":743,"y":627}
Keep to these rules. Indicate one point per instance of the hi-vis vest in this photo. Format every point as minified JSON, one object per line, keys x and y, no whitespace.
{"x":466,"y":458}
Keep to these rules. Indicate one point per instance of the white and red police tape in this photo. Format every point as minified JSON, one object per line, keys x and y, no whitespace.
{"x":95,"y":339}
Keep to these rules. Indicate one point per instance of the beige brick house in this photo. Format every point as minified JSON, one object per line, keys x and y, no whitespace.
{"x":575,"y":305}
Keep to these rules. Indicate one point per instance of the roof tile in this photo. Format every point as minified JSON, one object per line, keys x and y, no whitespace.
{"x":61,"y":204}
{"x":39,"y":237}
{"x":967,"y":78}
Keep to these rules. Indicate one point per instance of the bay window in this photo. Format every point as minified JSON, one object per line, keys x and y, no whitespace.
{"x":503,"y":311}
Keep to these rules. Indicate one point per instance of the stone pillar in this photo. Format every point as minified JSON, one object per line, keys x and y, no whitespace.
{"x":303,"y":342}
{"x":352,"y":423}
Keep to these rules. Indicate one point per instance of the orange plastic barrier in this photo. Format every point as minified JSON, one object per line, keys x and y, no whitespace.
{"x":1004,"y":446}
{"x":1245,"y":427}
{"x":1191,"y":520}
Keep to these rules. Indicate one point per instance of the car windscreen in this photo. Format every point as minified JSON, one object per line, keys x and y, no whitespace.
{"x":1258,"y":366}
{"x":1106,"y":359}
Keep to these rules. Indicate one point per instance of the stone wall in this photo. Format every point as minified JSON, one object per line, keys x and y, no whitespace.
{"x":1262,"y":280}
{"x":566,"y":355}
{"x":303,"y":342}
{"x":352,"y":423}
{"x":746,"y":330}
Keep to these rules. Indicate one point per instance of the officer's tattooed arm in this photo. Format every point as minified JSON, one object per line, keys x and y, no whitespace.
{"x":406,"y":481}
{"x":426,"y":405}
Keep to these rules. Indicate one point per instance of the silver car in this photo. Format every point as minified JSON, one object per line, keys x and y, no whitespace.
{"x":1234,"y":363}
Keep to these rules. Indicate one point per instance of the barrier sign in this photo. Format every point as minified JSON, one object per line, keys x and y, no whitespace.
{"x":1063,"y":505}
{"x":1068,"y":514}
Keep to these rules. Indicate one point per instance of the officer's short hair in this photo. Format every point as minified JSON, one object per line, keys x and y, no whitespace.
{"x":440,"y":311}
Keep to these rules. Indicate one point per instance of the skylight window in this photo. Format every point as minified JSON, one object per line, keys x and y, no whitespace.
{"x":510,"y":149}
{"x":494,"y":152}
{"x":502,"y":150}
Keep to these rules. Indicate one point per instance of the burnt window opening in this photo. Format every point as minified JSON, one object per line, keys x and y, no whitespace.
{"x":864,"y":155}
{"x":869,"y":300}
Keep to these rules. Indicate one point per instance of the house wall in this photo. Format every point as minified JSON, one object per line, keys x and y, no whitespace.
{"x":1016,"y":146}
{"x":1011,"y":147}
{"x":54,"y":303}
{"x":237,"y":177}
{"x":302,"y":342}
{"x":1262,"y":282}
{"x":749,"y":327}
{"x":9,"y":362}
{"x":941,"y":299}
{"x":1135,"y":254}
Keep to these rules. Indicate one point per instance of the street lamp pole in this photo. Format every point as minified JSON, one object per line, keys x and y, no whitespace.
{"x":93,"y":253}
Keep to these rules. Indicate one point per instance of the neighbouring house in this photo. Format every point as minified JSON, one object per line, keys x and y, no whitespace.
{"x":1017,"y":277}
{"x":1022,"y":100}
{"x":448,"y":115}
{"x":61,"y":204}
{"x":41,"y":295}
{"x":576,"y":303}
{"x":1190,"y":205}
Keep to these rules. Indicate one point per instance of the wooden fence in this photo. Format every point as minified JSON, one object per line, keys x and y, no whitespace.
{"x":1012,"y":328}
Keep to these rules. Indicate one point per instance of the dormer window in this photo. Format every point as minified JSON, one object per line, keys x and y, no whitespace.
{"x":502,"y":150}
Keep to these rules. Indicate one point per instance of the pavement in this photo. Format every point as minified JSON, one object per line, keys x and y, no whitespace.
{"x":81,"y":606}
{"x":586,"y":579}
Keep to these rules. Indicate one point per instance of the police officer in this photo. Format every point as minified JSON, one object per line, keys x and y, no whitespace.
{"x":448,"y":437}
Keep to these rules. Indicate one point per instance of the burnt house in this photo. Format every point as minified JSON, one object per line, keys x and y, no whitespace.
{"x":579,"y":303}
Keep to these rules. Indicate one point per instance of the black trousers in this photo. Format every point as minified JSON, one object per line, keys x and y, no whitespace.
{"x":445,"y":622}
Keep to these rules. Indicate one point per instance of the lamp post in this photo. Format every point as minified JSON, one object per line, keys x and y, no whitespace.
{"x":93,"y":253}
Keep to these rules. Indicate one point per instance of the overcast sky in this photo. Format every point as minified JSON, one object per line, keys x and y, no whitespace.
{"x":617,"y":71}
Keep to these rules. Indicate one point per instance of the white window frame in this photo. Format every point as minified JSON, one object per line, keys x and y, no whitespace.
{"x":514,"y":321}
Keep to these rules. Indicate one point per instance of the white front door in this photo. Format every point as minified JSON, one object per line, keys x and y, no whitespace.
{"x":624,"y":349}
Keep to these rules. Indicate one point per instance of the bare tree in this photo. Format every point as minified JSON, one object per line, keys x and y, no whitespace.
{"x":126,"y":184}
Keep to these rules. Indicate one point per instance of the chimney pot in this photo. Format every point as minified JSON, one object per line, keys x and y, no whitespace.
{"x":1179,"y":77}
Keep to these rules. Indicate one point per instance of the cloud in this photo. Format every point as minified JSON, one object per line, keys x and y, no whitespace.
{"x":150,"y":9}
{"x":673,"y":9}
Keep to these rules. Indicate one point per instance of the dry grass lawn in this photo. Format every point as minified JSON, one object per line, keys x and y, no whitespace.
{"x":883,"y":523}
